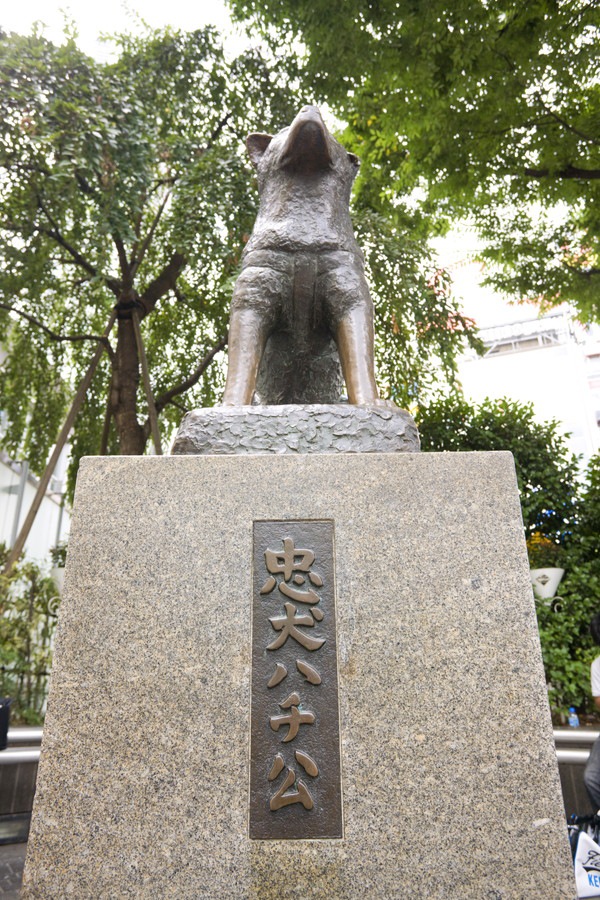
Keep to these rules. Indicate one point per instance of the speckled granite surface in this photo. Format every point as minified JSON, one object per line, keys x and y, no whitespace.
{"x":450,"y":784}
{"x":316,"y":428}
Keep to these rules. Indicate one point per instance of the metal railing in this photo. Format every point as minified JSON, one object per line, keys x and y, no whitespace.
{"x":27,"y":736}
{"x":573,"y":744}
{"x":575,"y":736}
{"x":24,"y":745}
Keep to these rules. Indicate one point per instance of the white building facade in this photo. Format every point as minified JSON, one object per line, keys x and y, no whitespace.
{"x":17,"y":490}
{"x":551,"y":362}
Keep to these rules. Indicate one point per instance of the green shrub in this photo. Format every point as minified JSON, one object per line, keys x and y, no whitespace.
{"x":546,"y":470}
{"x":28,"y":608}
{"x":567,"y":646}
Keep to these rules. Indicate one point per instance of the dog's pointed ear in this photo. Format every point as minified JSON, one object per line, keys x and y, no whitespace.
{"x":354,"y":160}
{"x":256,"y":145}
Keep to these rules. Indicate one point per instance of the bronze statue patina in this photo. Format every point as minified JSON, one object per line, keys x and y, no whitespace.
{"x":301,"y":305}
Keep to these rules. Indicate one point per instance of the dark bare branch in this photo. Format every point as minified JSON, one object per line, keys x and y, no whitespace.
{"x":184,"y":409}
{"x":567,"y":172}
{"x":78,"y":258}
{"x":56,"y":235}
{"x":162,"y":284}
{"x":184,"y":386}
{"x":126,"y":272}
{"x":561,"y":121}
{"x":163,"y":182}
{"x":59,"y":337}
{"x":138,"y":226}
{"x":148,"y":239}
{"x":85,"y":185}
{"x":583,"y":273}
{"x":217,"y":131}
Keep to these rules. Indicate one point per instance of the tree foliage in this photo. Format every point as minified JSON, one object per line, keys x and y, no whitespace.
{"x":126,"y":185}
{"x":419,"y":325}
{"x":546,"y":470}
{"x":567,"y":645}
{"x":122,"y":185}
{"x":487,"y":110}
{"x":29,"y":603}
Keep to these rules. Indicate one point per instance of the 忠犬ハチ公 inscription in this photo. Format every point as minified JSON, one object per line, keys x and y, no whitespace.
{"x":295,"y":775}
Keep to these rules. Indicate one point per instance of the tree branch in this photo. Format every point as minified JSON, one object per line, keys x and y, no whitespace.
{"x":126,"y":272}
{"x":162,"y":284}
{"x":184,"y":409}
{"x":85,"y":185}
{"x":167,"y":397}
{"x":579,"y":14}
{"x":162,"y":182}
{"x":215,"y":134}
{"x":79,"y":259}
{"x":55,"y":233}
{"x":583,"y":273}
{"x":509,"y":62}
{"x":217,"y":131}
{"x":565,"y":124}
{"x":136,"y":263}
{"x":138,"y":226}
{"x":567,"y":172}
{"x":60,"y":337}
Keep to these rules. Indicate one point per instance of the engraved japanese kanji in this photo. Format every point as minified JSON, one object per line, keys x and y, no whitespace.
{"x":290,"y":570}
{"x":296,"y":697}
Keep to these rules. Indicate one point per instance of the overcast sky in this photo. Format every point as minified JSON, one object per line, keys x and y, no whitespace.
{"x":110,"y":16}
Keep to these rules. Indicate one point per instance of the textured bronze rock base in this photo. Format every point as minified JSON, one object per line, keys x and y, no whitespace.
{"x":318,"y":428}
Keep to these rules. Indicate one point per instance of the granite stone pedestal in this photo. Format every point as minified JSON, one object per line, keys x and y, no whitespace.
{"x":449,"y":782}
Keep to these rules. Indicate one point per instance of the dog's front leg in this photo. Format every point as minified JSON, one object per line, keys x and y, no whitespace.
{"x":248,"y":332}
{"x":354,"y":339}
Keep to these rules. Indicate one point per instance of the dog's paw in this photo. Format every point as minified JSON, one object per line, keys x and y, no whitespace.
{"x":387,"y":404}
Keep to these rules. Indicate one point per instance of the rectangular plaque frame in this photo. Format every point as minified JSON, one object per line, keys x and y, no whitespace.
{"x":295,"y":767}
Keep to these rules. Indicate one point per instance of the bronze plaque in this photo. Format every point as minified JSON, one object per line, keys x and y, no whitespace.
{"x":295,"y":773}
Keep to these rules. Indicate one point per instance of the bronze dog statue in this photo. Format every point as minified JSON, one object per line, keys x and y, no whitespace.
{"x":301,"y":305}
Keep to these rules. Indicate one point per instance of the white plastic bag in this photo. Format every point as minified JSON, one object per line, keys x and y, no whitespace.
{"x":587,"y":866}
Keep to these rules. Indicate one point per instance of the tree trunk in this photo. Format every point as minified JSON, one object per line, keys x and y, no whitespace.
{"x":125,"y":382}
{"x":126,"y":363}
